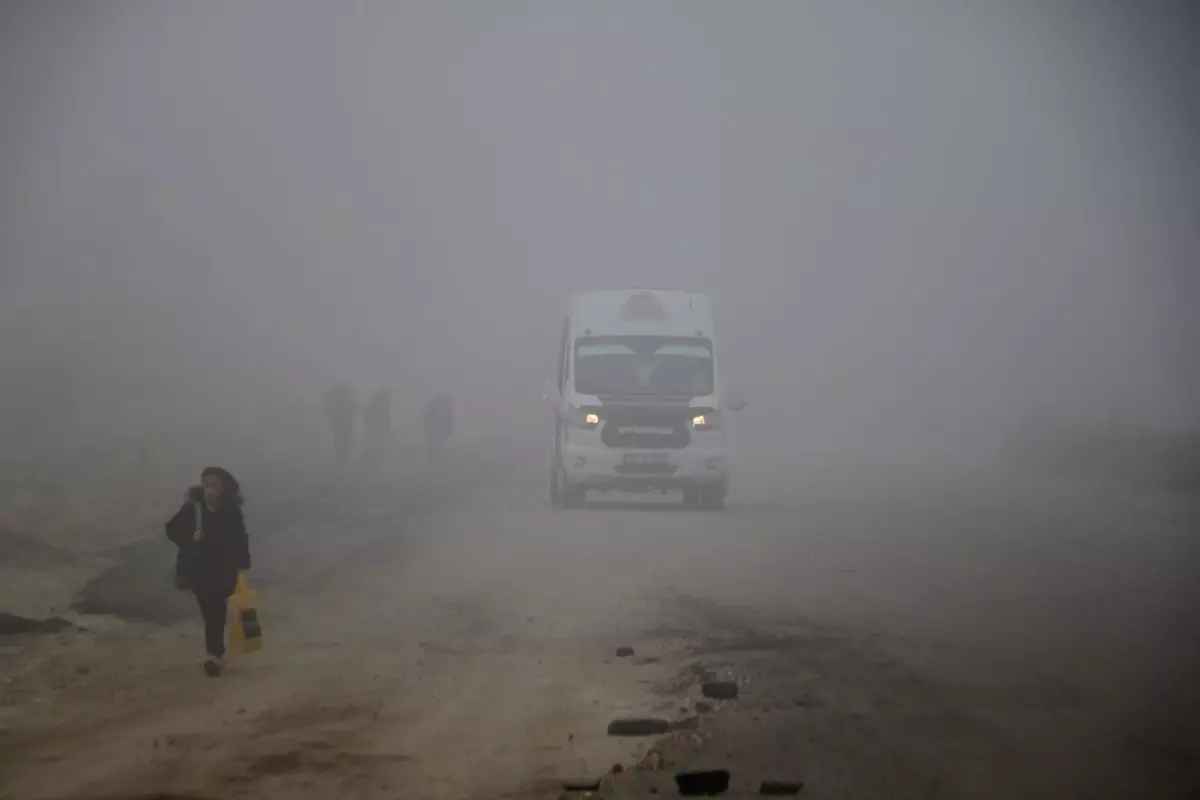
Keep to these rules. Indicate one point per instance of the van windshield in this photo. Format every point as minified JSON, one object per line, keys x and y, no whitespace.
{"x":644,"y":365}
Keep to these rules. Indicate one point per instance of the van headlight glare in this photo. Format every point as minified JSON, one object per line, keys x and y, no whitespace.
{"x":708,"y":421}
{"x":585,"y":420}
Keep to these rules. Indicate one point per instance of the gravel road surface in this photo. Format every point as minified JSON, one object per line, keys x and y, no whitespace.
{"x":443,"y":633}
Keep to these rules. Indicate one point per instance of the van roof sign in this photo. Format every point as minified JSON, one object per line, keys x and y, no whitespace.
{"x":643,"y":307}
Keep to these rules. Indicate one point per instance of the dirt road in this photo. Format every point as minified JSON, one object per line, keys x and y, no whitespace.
{"x":892,"y":634}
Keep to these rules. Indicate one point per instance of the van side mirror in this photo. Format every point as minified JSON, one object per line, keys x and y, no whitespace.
{"x":735,"y":400}
{"x":550,"y":395}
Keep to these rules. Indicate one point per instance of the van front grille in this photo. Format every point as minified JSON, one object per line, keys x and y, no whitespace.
{"x":647,"y":428}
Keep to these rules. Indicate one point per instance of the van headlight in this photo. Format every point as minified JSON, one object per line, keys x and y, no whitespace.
{"x":584,"y":420}
{"x":708,"y":421}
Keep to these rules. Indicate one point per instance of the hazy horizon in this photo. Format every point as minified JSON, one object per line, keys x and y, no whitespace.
{"x":909,"y":218}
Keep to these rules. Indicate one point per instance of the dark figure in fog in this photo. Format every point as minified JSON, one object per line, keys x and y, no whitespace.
{"x":377,"y":419}
{"x":342,"y":410}
{"x":439,"y":422}
{"x":213,"y":547}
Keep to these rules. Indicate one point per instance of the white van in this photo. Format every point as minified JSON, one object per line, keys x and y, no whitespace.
{"x":638,"y":398}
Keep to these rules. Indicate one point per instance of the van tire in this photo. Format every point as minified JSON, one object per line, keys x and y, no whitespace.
{"x":563,"y":494}
{"x":692,"y":498}
{"x":573,"y":496}
{"x":713,"y":499}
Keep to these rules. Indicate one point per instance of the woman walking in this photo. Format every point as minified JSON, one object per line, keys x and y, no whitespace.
{"x":213,"y":548}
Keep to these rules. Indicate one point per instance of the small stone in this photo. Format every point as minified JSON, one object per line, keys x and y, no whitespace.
{"x":780,"y":788}
{"x":638,"y":726}
{"x":706,"y":782}
{"x":703,"y":706}
{"x":82,"y":669}
{"x":719,"y":690}
{"x":624,"y":651}
{"x":588,"y":785}
{"x":617,"y":769}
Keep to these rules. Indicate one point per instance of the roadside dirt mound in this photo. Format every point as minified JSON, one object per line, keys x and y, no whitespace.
{"x":38,"y":579}
{"x":139,"y":587}
{"x":12,"y":625}
{"x":22,"y":550}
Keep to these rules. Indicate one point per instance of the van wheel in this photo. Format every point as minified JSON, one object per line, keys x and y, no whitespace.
{"x":573,"y":496}
{"x":564,"y":494}
{"x":691,"y":498}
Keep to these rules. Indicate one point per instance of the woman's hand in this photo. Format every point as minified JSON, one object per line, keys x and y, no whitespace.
{"x":197,"y":536}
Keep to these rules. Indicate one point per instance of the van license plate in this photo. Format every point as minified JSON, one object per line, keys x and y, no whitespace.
{"x":645,"y":458}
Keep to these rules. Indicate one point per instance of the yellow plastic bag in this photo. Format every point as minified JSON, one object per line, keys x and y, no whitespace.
{"x":245,"y":631}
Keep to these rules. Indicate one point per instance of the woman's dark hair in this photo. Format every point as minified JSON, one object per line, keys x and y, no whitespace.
{"x":233,"y":489}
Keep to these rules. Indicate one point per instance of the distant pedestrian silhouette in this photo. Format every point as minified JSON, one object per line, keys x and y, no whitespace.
{"x":341,"y":409}
{"x":439,"y":423}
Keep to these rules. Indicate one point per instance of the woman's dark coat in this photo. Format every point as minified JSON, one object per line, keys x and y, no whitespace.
{"x":212,"y":564}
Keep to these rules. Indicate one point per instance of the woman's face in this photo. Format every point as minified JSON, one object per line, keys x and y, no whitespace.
{"x":213,"y":489}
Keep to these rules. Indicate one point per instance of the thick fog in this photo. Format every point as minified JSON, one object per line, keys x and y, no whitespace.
{"x":924,"y":219}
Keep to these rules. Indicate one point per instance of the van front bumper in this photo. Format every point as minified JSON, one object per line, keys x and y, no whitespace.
{"x":609,"y":468}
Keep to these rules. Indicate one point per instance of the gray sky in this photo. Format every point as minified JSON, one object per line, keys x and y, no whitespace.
{"x":907,"y":211}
